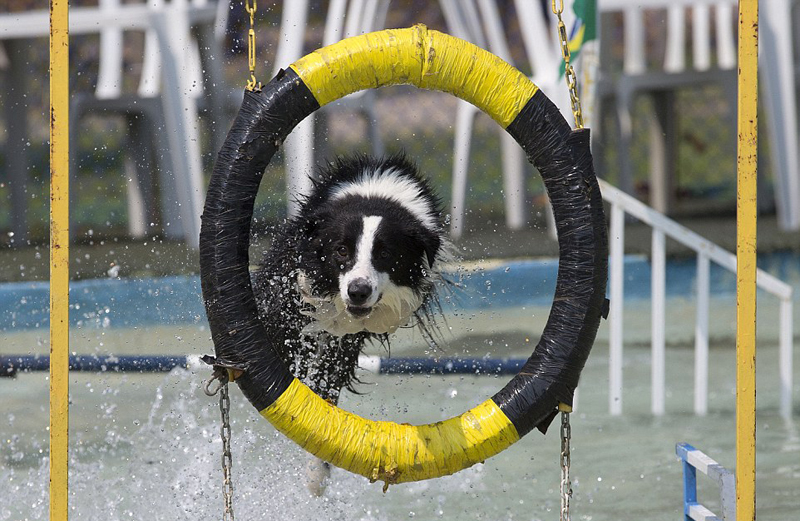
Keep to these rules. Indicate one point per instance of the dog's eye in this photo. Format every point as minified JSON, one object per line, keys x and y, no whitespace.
{"x":342,"y":252}
{"x":384,"y":254}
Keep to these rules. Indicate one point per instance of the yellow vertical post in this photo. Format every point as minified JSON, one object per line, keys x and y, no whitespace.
{"x":59,"y":259}
{"x":746,"y":216}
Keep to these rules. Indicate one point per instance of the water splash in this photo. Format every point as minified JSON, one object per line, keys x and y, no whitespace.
{"x":166,"y":465}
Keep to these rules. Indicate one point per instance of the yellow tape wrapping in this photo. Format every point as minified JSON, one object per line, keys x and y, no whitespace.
{"x":388,"y":451}
{"x":417,"y":56}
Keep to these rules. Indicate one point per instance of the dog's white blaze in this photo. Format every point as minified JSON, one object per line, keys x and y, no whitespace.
{"x":391,"y":185}
{"x":363,"y":268}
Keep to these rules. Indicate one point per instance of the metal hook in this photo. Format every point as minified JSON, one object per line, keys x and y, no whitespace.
{"x":220,"y":377}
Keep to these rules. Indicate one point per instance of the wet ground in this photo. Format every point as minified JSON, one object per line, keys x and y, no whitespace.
{"x":146,"y":446}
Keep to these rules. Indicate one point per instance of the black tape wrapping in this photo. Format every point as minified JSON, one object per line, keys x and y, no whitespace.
{"x":563,"y":158}
{"x":264,"y":120}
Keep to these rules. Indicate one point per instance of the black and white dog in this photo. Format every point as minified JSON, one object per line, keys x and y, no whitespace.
{"x":360,"y":260}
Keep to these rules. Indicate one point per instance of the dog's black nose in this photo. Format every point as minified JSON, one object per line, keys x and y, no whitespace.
{"x":359,"y":291}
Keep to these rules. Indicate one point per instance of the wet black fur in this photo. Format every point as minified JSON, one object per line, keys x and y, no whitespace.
{"x":310,"y":243}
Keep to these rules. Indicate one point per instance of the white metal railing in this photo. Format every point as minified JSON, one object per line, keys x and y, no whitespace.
{"x":663,"y":226}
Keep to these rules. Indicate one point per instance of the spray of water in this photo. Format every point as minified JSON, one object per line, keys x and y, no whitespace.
{"x":164,"y":463}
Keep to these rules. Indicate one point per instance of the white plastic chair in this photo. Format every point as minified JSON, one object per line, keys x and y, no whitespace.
{"x":479,"y":22}
{"x":675,"y":73}
{"x":164,"y":108}
{"x":169,"y":70}
{"x":637,"y":79}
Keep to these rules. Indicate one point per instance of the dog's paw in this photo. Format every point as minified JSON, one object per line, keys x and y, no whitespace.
{"x":318,"y":474}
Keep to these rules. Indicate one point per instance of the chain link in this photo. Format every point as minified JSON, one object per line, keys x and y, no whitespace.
{"x":227,"y":460}
{"x":575,"y":102}
{"x":569,"y":72}
{"x":252,"y":83}
{"x":566,"y":485}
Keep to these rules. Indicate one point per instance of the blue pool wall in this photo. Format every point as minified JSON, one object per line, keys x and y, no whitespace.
{"x":177,"y":300}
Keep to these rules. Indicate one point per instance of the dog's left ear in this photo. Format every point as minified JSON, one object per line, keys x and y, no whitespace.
{"x":431,"y":243}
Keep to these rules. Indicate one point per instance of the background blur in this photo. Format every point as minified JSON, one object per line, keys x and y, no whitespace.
{"x":154,"y":87}
{"x":700,"y":179}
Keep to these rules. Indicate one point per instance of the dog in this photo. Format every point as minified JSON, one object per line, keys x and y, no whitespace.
{"x":361,"y":259}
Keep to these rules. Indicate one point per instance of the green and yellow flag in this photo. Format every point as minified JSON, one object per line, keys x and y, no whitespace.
{"x":580,"y":17}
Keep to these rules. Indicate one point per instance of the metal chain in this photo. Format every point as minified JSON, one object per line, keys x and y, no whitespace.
{"x":566,"y":485}
{"x":569,"y":72}
{"x":252,"y":83}
{"x":575,"y":101}
{"x":227,"y":460}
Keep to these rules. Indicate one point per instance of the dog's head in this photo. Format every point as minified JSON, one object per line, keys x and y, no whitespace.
{"x":373,"y":241}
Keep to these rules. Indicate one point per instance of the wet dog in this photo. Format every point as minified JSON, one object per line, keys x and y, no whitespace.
{"x":359,"y":261}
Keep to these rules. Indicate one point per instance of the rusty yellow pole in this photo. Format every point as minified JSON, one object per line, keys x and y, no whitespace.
{"x":59,"y":259}
{"x":746,"y":217}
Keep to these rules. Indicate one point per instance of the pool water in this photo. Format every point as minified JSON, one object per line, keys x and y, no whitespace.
{"x":147,"y":446}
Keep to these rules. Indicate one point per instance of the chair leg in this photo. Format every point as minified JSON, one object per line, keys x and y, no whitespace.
{"x":17,"y":131}
{"x":76,"y":112}
{"x":171,"y":222}
{"x":780,"y":102}
{"x":298,"y":150}
{"x":625,"y":127}
{"x":372,"y":121}
{"x":513,"y":182}
{"x":465,"y":118}
{"x":663,"y":148}
{"x":139,"y":168}
{"x":214,"y":81}
{"x":137,"y":216}
{"x":180,"y":115}
{"x":552,"y":231}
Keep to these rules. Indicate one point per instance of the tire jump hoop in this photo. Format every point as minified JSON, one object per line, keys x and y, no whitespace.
{"x":382,"y":450}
